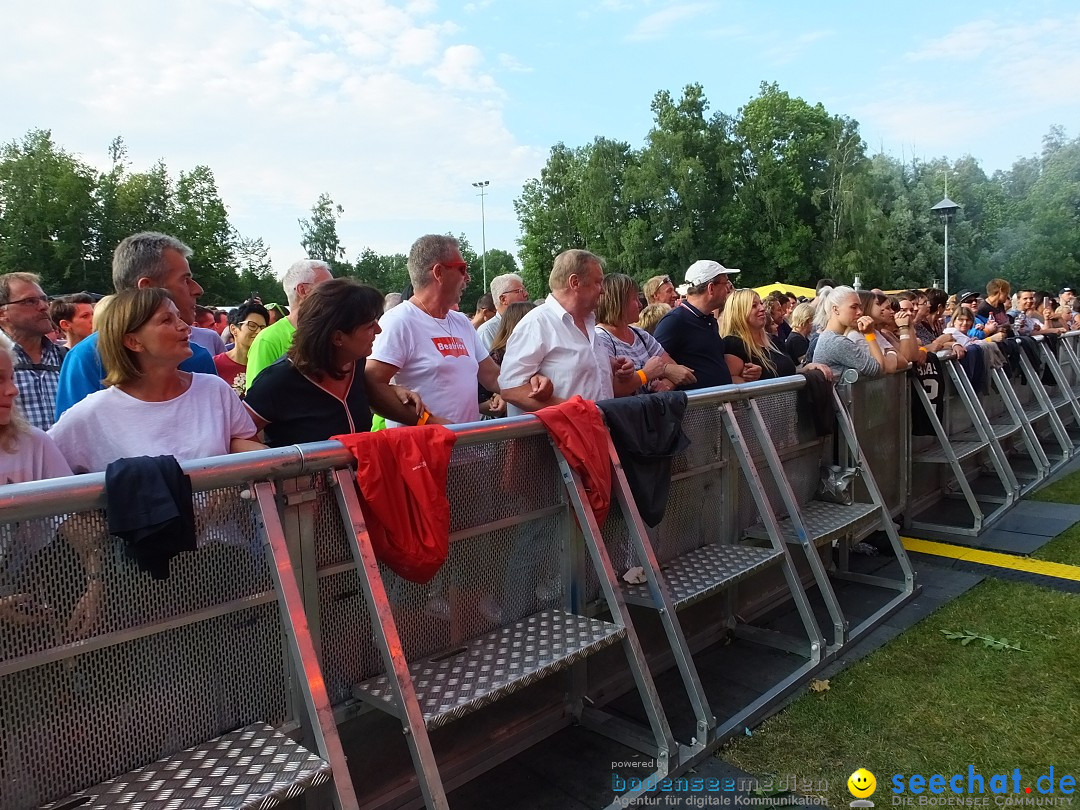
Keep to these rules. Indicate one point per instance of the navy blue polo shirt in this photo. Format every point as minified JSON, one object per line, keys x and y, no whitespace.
{"x":692,"y":338}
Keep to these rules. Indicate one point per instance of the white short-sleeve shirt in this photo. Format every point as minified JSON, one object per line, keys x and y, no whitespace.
{"x":438,"y":358}
{"x":110,"y":424}
{"x":36,"y":457}
{"x":548,"y":342}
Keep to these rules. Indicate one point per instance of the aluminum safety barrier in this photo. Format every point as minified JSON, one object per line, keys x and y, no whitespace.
{"x":989,"y":447}
{"x":284,"y":627}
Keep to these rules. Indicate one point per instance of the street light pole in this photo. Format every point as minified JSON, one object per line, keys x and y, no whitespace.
{"x":946,"y":209}
{"x":482,"y":185}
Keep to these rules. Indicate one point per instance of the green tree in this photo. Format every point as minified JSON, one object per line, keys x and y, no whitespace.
{"x":47,"y":214}
{"x":386,"y":272}
{"x":255,"y":272}
{"x":547,"y":212}
{"x":319,"y":236}
{"x":202,"y":223}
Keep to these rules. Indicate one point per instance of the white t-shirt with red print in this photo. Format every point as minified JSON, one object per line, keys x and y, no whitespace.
{"x":436,"y":357}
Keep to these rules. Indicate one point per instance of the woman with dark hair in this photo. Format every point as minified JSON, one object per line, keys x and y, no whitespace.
{"x":315,"y":392}
{"x":150,"y":407}
{"x":655,"y":369}
{"x":244,"y":324}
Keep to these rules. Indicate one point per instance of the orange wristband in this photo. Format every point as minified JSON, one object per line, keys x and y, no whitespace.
{"x":870,"y":337}
{"x":642,"y":377}
{"x":424,"y":417}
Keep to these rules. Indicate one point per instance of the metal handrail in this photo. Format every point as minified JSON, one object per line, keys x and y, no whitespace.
{"x":78,"y":493}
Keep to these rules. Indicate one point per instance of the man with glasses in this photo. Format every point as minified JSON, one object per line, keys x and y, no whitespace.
{"x":660,"y":290}
{"x":272,"y":343}
{"x":427,"y":346}
{"x":24,"y":317}
{"x":505,"y":290}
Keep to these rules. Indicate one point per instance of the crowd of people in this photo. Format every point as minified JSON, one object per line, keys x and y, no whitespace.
{"x":148,"y":371}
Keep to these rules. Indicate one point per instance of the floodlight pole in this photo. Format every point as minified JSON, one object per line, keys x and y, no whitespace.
{"x":482,"y":185}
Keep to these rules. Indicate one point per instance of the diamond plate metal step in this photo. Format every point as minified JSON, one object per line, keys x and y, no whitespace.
{"x":703,"y":572}
{"x":1002,"y":430}
{"x":253,"y":767}
{"x":937,"y":455}
{"x":455,"y":683}
{"x":1033,"y":410}
{"x":823,"y":520}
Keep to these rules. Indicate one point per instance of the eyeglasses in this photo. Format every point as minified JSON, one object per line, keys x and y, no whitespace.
{"x":252,"y":326}
{"x":462,"y":266}
{"x":521,"y":290}
{"x":32,"y":301}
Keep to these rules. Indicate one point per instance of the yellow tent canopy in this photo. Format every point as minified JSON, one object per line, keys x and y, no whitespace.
{"x":806,"y":292}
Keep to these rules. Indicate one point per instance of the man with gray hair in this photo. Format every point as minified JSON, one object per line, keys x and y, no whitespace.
{"x":274,"y":341}
{"x":505,"y":290}
{"x":148,"y":259}
{"x":558,"y":339}
{"x":429,"y":347}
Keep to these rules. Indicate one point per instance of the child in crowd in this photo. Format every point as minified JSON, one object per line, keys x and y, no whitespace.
{"x":26,"y":453}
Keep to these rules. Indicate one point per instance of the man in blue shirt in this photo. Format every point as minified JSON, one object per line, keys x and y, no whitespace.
{"x":142,"y":260}
{"x":690,"y":334}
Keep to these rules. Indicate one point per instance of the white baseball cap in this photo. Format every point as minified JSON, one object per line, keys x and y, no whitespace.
{"x":706,"y":270}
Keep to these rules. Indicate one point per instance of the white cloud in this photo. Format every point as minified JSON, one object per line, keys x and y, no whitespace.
{"x":657,"y":24}
{"x":385,"y":107}
{"x":1034,"y":61}
{"x":511,"y":64}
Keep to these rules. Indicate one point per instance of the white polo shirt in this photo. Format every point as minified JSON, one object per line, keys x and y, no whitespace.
{"x":548,"y":342}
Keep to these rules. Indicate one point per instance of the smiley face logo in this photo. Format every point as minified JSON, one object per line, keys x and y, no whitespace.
{"x":862,"y":784}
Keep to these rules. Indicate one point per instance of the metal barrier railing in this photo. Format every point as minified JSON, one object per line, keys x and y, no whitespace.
{"x":274,"y":619}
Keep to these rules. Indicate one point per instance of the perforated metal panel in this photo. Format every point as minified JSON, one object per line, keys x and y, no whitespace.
{"x":490,"y":578}
{"x":126,"y":669}
{"x":879,"y":411}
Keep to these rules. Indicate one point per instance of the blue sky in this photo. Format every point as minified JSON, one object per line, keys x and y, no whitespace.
{"x":395,"y":107}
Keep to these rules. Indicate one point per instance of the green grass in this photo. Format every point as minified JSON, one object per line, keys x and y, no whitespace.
{"x":1067,"y":490}
{"x":924,"y":704}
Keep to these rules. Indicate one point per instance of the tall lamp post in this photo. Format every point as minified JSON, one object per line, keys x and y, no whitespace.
{"x":945,"y":210}
{"x":482,"y":185}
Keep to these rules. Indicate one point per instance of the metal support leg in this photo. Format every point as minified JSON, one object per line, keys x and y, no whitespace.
{"x":661,"y":597}
{"x":1047,"y":405}
{"x":981,"y":423}
{"x":665,"y":741}
{"x":1015,"y":410}
{"x":791,"y":505}
{"x":907,"y":589}
{"x":772,"y":526}
{"x":389,"y":642}
{"x":950,"y":455}
{"x":320,"y":714}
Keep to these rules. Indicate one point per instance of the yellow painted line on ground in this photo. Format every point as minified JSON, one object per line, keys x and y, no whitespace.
{"x":974,"y":555}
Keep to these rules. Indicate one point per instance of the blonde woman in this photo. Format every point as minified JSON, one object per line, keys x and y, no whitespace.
{"x":26,"y":453}
{"x":798,"y":342}
{"x":150,"y":406}
{"x":748,"y":350}
{"x":649,"y":317}
{"x":655,"y":370}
